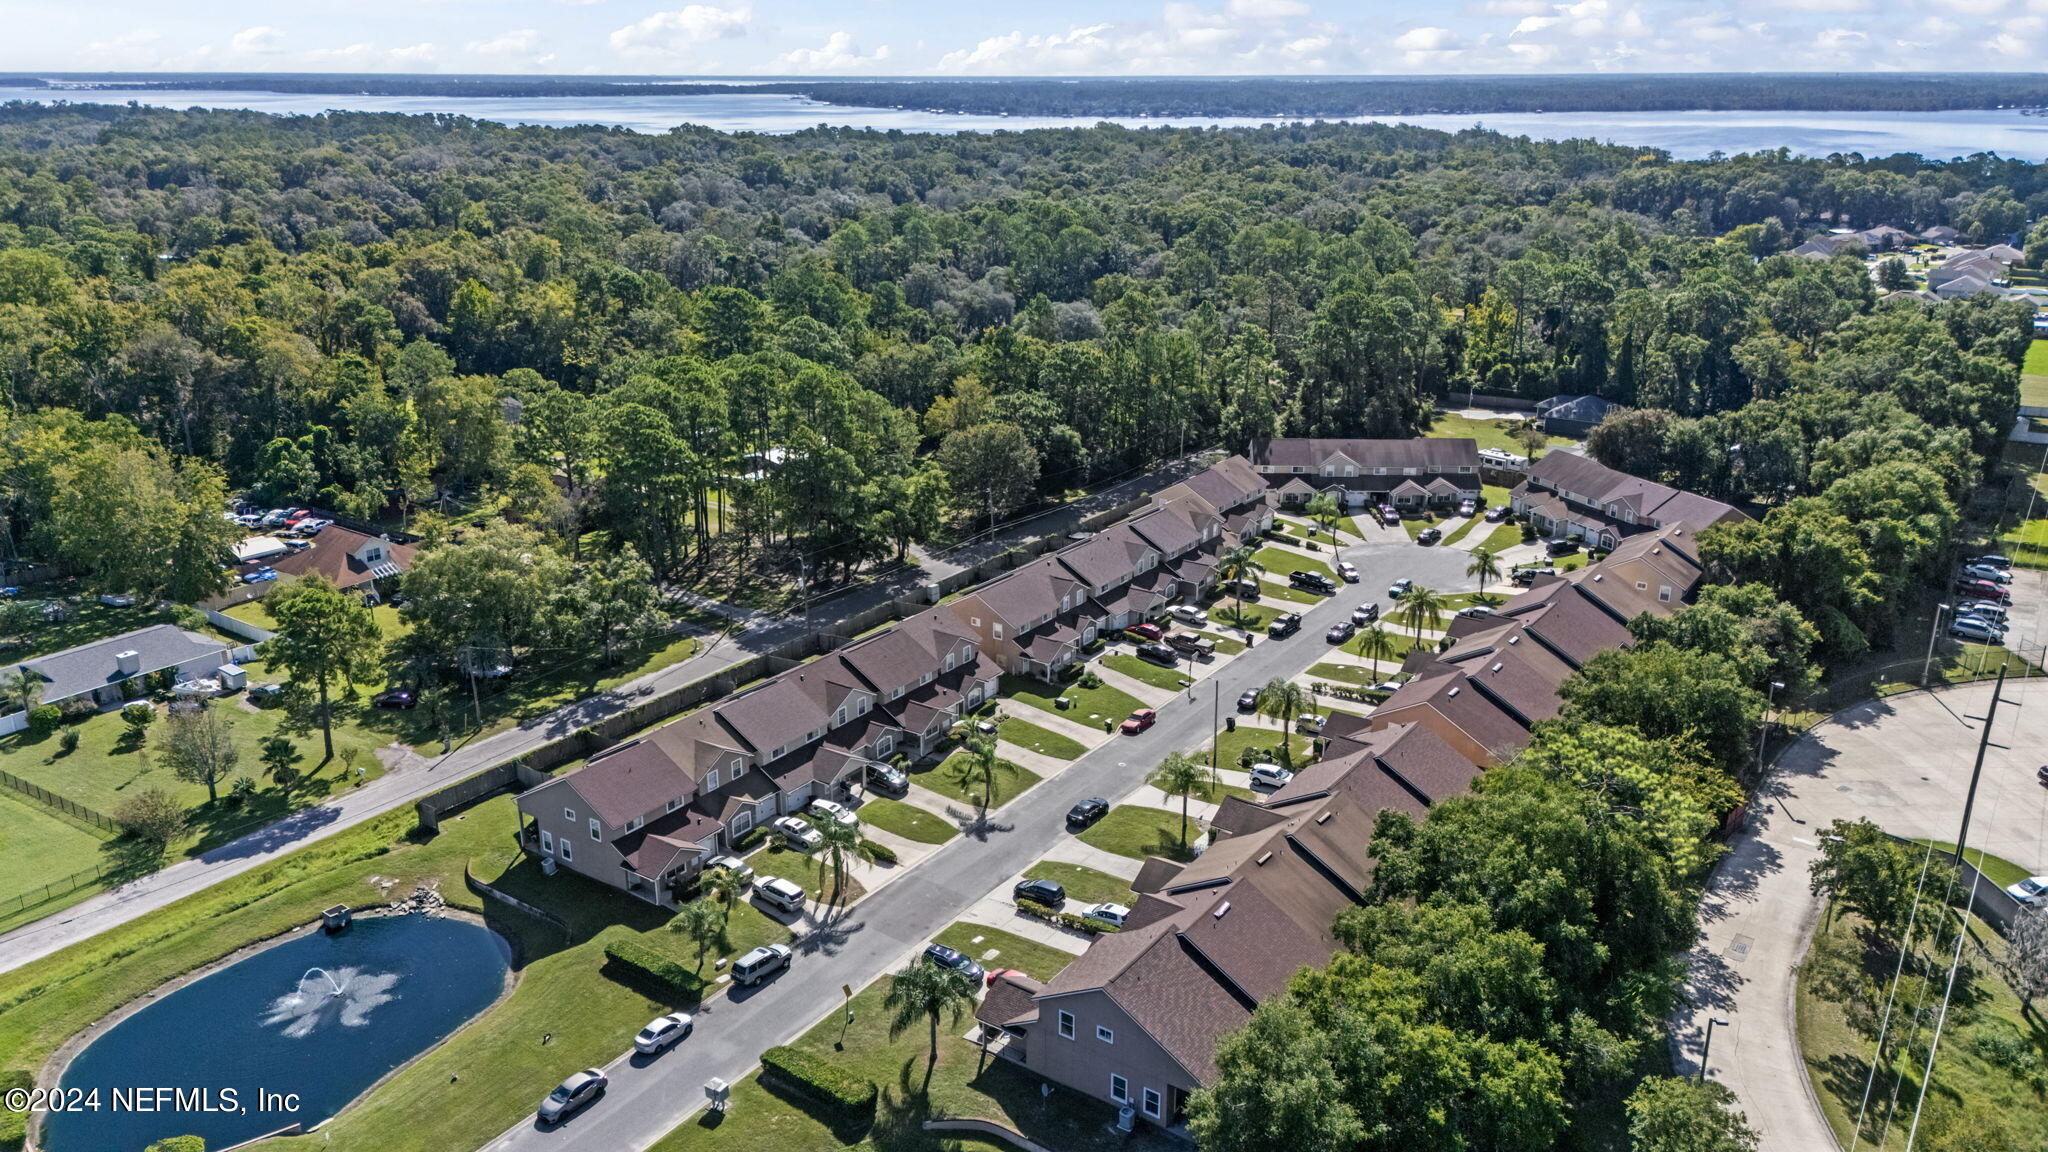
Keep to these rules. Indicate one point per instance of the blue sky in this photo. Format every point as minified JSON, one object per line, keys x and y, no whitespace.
{"x":1049,"y":37}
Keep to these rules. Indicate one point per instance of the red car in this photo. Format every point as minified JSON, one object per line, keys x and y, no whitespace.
{"x":1984,"y":590}
{"x":1140,"y":720}
{"x":1149,"y":633}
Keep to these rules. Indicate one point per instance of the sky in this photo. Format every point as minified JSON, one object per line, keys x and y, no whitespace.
{"x":1047,"y":37}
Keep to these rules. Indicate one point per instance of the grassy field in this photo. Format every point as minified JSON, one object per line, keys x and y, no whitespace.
{"x":1991,"y":1052}
{"x":907,"y":820}
{"x":1996,"y":869}
{"x":961,"y":1084}
{"x":38,"y":847}
{"x":810,"y":872}
{"x":1259,"y":734}
{"x":1502,"y":537}
{"x":1083,"y":883}
{"x":1025,"y":734}
{"x":1489,"y":433}
{"x":1091,"y":705}
{"x":1138,"y":832}
{"x":1276,"y":591}
{"x":2034,"y":375}
{"x":1144,"y":671}
{"x":1254,"y":616}
{"x":1011,"y":779}
{"x":1279,"y":562}
{"x":1349,"y":673}
{"x":1462,"y":530}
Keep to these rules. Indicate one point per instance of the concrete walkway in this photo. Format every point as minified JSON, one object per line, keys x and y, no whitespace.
{"x":1904,"y":763}
{"x":1055,"y":722}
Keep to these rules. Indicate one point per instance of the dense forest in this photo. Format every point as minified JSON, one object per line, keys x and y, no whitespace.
{"x":591,"y":350}
{"x":1288,"y":97}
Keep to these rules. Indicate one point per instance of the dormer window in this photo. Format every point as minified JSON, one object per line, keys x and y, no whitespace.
{"x":949,"y":661}
{"x":711,"y":779}
{"x":860,"y":706}
{"x":839,"y":717}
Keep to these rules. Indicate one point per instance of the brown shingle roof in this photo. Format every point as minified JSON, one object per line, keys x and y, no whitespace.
{"x":1009,"y":1000}
{"x":333,"y":556}
{"x":626,"y":784}
{"x":1427,"y":454}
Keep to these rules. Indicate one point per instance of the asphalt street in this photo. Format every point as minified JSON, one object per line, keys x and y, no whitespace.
{"x":400,"y":788}
{"x":649,"y":1097}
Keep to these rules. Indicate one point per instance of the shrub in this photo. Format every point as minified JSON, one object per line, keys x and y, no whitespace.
{"x":1090,"y":680}
{"x":44,"y":718}
{"x":1063,"y":919}
{"x":138,"y":716}
{"x":243,"y":790}
{"x":185,"y":616}
{"x":152,"y":817}
{"x":819,"y":1079}
{"x":882,"y":853}
{"x":641,"y":962}
{"x":1528,"y":532}
{"x":750,"y":839}
{"x":178,"y":1144}
{"x":72,"y":711}
{"x":67,"y":741}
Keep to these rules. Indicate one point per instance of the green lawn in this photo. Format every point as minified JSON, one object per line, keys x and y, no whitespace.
{"x":907,"y":820}
{"x":1225,"y":645}
{"x":1489,"y":433}
{"x":1990,"y":1055}
{"x":1146,"y":671}
{"x":1279,"y":562}
{"x":89,"y":620}
{"x":1996,"y":869}
{"x":1350,"y":673}
{"x":1091,"y":705}
{"x":1025,"y":734}
{"x":961,"y":1083}
{"x":2034,"y":375}
{"x":1462,"y":530}
{"x":944,"y":778}
{"x":38,"y":847}
{"x":1254,"y":616}
{"x":1259,"y":734}
{"x":1292,"y":595}
{"x":1138,"y":832}
{"x":1307,"y":529}
{"x":1503,"y":536}
{"x":810,"y":872}
{"x":108,"y":766}
{"x":1085,"y":884}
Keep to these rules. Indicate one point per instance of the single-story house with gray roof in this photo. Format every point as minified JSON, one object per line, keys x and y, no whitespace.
{"x":96,"y":671}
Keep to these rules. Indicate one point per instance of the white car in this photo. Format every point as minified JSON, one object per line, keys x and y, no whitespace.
{"x":732,"y":864}
{"x":1971,"y":628}
{"x":1113,"y":915}
{"x":798,"y":833}
{"x":776,"y":892}
{"x":661,"y":1032}
{"x":1188,"y":614}
{"x":1348,"y":571}
{"x":1270,"y":775}
{"x":2032,"y":891}
{"x":836,"y":812}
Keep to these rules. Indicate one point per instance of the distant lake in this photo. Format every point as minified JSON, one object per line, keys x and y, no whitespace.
{"x":1687,"y":135}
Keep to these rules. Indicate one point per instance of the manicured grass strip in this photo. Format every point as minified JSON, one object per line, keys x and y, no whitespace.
{"x":811,"y":872}
{"x":1460,"y":532}
{"x":1025,"y":734}
{"x":1138,"y":832}
{"x":906,"y":820}
{"x":1255,"y":616}
{"x":1039,"y":961}
{"x":1146,"y":671}
{"x":1272,"y":591}
{"x":1280,"y":562}
{"x":1225,"y":646}
{"x":1084,"y":884}
{"x":1344,"y":673}
{"x":1259,"y":735}
{"x":1502,"y":537}
{"x":1091,"y":705}
{"x":1011,"y":780}
{"x":2034,"y":375}
{"x":1996,"y":869}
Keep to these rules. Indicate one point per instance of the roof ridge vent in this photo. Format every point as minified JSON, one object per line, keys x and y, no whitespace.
{"x":1452,"y":692}
{"x":1221,"y":909}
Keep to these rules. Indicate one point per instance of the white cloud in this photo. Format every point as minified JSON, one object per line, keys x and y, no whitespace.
{"x":1508,"y":7}
{"x":1072,"y":50}
{"x":1428,"y":40}
{"x":519,"y":42}
{"x":258,"y":39}
{"x":677,"y":34}
{"x":839,"y":54}
{"x":1267,"y":9}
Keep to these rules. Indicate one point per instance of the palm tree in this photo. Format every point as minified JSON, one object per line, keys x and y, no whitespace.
{"x":978,"y":762}
{"x":1375,"y":645}
{"x":1484,"y":565}
{"x":1183,"y":776}
{"x":1420,"y":606}
{"x":839,"y":846}
{"x":1323,"y":509}
{"x":929,"y":991}
{"x":25,"y":686}
{"x":1235,"y":566}
{"x":701,"y":923}
{"x":1283,"y":700}
{"x":727,"y":888}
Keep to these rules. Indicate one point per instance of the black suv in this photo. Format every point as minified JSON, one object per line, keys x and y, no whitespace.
{"x":1159,"y":654}
{"x":1087,"y":812}
{"x":1046,"y":892}
{"x":1561,"y":547}
{"x":1313,"y":581}
{"x":1284,"y":625}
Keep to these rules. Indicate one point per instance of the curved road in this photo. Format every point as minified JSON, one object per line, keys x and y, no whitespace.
{"x":1905,"y":764}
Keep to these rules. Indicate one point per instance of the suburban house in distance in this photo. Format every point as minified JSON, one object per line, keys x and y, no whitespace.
{"x":348,"y":558}
{"x":1572,"y":416}
{"x":97,"y":670}
{"x":1972,"y":272}
{"x":1566,"y":494}
{"x":1135,"y":1019}
{"x":1413,"y":473}
{"x":644,"y":816}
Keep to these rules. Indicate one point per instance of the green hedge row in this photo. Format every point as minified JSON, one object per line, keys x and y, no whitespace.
{"x":637,"y":959}
{"x":820,"y":1079}
{"x":1063,"y":919}
{"x":882,"y":853}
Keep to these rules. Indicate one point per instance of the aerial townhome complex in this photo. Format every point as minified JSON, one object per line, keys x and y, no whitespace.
{"x":1567,"y":495}
{"x":1412,"y":473}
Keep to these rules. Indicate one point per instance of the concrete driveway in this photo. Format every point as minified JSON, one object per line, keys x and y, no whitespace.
{"x":648,"y":1098}
{"x":1905,"y":764}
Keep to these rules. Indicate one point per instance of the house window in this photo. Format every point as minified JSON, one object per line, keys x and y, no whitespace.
{"x":1664,"y":593}
{"x":711,"y":779}
{"x":1104,"y":1035}
{"x":1066,"y":1025}
{"x":674,"y":804}
{"x":632,"y":824}
{"x":1152,"y":1103}
{"x":547,"y":841}
{"x":860,"y":706}
{"x":998,"y":631}
{"x":839,"y":717}
{"x":596,"y":830}
{"x":949,"y":661}
{"x":885,"y":743}
{"x":1461,"y":468}
{"x":567,"y":852}
{"x":569,"y":814}
{"x":1119,"y":1089}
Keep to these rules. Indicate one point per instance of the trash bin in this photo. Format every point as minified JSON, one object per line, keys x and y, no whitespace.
{"x":1230,"y":723}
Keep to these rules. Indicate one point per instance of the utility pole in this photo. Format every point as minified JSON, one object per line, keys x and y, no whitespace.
{"x":1215,"y":721}
{"x":1927,"y":666}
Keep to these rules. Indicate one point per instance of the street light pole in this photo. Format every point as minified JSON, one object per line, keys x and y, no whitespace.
{"x":1764,"y":729}
{"x":1707,"y":1046}
{"x":1927,"y":666}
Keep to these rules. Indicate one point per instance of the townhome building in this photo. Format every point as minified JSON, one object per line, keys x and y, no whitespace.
{"x":1413,"y":473}
{"x":1566,"y":495}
